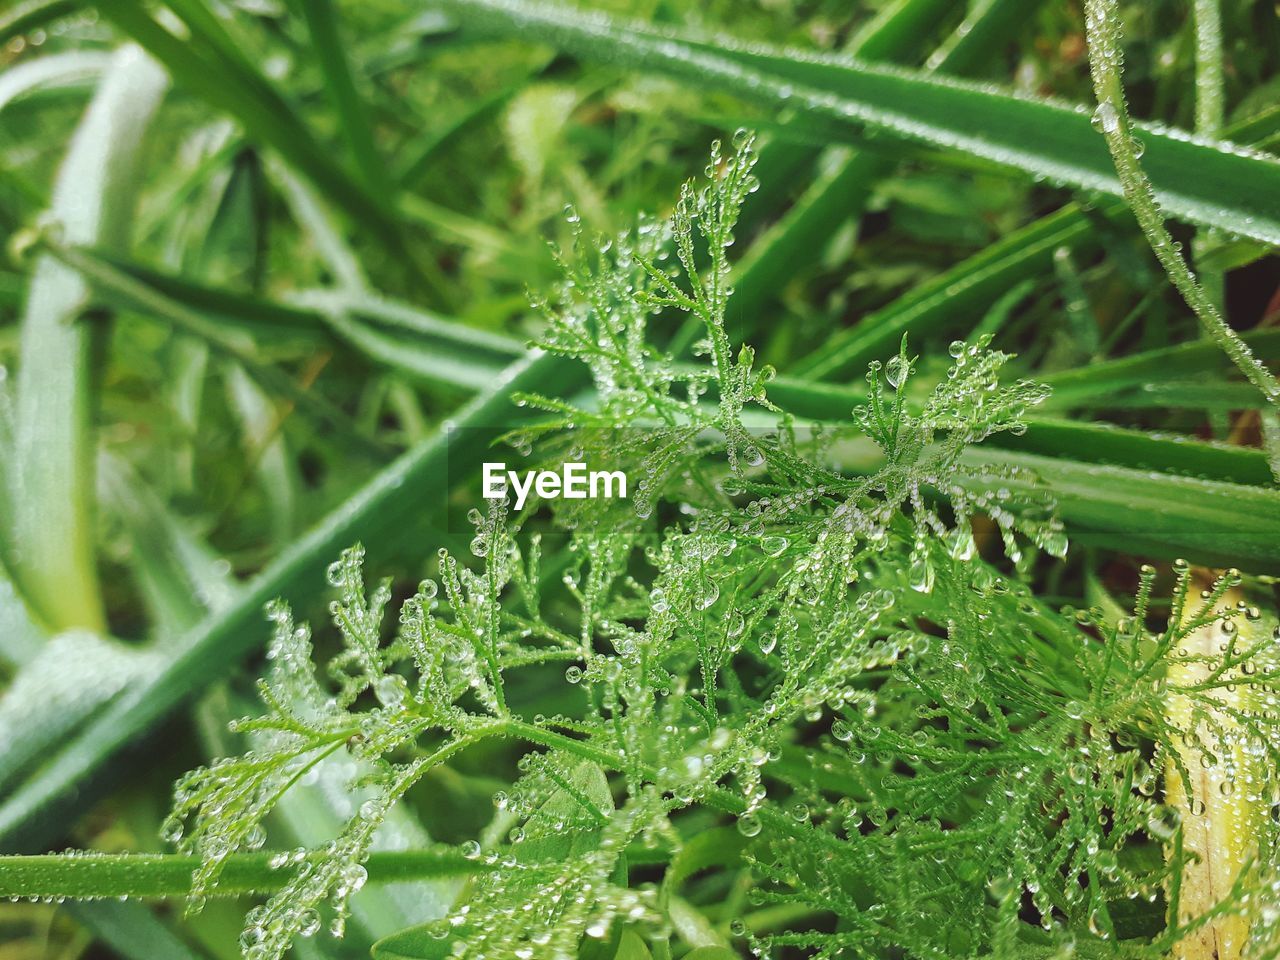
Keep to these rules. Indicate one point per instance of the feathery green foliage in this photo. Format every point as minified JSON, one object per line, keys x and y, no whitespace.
{"x":976,"y":747}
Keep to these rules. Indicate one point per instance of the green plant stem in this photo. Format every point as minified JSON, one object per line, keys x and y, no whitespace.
{"x":1210,"y":114}
{"x":1210,"y":96}
{"x":1105,"y":58}
{"x":91,"y":876}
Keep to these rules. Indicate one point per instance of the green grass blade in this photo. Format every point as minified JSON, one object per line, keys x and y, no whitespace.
{"x":168,"y":876}
{"x":50,"y":535}
{"x":70,"y":69}
{"x":1105,"y":379}
{"x":21,"y":638}
{"x":132,"y":931}
{"x":956,"y":296}
{"x":47,"y":702}
{"x":125,"y":290}
{"x":1201,"y":181}
{"x":1142,"y":511}
{"x":899,"y":29}
{"x":331,"y":54}
{"x":1107,"y":444}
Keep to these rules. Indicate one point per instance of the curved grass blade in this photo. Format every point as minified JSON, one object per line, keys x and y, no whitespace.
{"x":73,"y":68}
{"x":50,"y":527}
{"x":134,"y":294}
{"x":958,"y":294}
{"x":1201,"y":181}
{"x":842,"y":194}
{"x":1109,"y":378}
{"x":973,"y":283}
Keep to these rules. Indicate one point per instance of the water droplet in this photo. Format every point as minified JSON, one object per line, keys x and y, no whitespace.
{"x":749,"y":825}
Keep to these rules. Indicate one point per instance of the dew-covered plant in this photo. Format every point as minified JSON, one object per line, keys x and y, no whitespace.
{"x":826,"y":693}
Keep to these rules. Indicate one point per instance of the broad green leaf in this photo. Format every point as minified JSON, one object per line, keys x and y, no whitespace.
{"x":632,"y":947}
{"x":1202,"y":181}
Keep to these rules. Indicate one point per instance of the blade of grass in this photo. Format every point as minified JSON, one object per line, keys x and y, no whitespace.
{"x":1107,"y":444}
{"x":168,"y":876}
{"x":1083,"y":443}
{"x":421,"y":153}
{"x":1102,"y":26}
{"x":1201,"y":181}
{"x":46,"y":702}
{"x":50,"y":528}
{"x":957,"y":294}
{"x":73,"y":68}
{"x":132,"y":931}
{"x":331,"y":54}
{"x":436,"y":349}
{"x":1214,"y":398}
{"x":973,"y":283}
{"x":20,"y":636}
{"x":1142,"y":511}
{"x":1107,"y":378}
